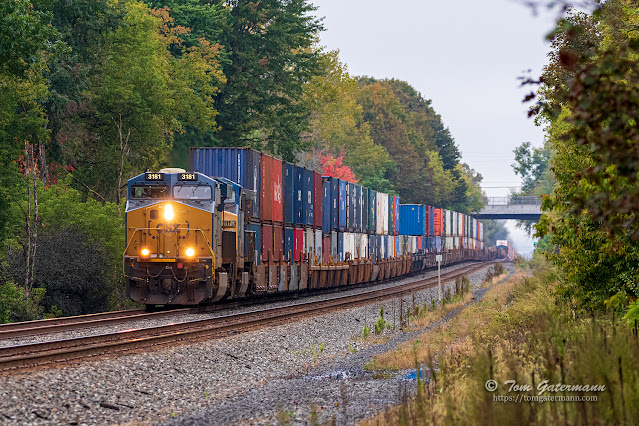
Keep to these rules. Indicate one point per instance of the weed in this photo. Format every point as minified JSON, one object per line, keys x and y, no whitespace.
{"x":313,"y":418}
{"x":352,"y":349}
{"x":365,"y":331}
{"x":380,"y":324}
{"x":284,"y":418}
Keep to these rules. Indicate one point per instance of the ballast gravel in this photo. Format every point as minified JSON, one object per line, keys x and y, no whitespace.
{"x":310,"y":368}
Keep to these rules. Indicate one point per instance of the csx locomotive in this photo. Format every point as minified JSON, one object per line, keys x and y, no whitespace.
{"x":185,"y":239}
{"x":188,"y":242}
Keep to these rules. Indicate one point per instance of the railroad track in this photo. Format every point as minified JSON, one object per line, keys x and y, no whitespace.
{"x":56,"y":325}
{"x":14,"y":358}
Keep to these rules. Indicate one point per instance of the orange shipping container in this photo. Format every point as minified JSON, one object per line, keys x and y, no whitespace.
{"x":438,"y":222}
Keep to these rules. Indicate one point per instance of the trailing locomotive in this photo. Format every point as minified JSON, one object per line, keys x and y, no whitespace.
{"x":265,"y":226}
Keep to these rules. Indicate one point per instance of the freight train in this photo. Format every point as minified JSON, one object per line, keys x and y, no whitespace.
{"x":242,"y":223}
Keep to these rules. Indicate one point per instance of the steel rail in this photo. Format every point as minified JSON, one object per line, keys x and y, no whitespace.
{"x":37,"y":354}
{"x":56,"y":325}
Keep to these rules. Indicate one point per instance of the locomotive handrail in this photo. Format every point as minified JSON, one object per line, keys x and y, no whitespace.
{"x":178,"y":229}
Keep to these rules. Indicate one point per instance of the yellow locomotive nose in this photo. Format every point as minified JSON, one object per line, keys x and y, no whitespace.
{"x":190,"y":252}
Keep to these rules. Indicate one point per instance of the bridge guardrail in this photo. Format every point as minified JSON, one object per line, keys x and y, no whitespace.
{"x":514,"y":200}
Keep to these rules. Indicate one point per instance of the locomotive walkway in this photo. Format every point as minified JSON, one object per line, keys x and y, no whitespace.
{"x":522,"y":208}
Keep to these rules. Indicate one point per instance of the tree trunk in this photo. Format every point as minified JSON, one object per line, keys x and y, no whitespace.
{"x":34,"y":226}
{"x":27,"y":249}
{"x":44,"y":173}
{"x":124,"y":151}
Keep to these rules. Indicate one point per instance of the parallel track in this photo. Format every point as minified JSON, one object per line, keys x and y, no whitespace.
{"x":56,"y":325}
{"x":38,"y":354}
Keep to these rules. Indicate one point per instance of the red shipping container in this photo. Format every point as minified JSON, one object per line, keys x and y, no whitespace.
{"x":438,"y":222}
{"x":266,"y":207}
{"x":267,"y":243}
{"x":318,"y":200}
{"x":278,"y":199}
{"x":326,"y":250}
{"x":395,"y":213}
{"x":278,"y":242}
{"x":463,"y":227}
{"x":298,"y":243}
{"x":271,"y":208}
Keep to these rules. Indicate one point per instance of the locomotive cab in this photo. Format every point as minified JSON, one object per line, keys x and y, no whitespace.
{"x":179,"y":229}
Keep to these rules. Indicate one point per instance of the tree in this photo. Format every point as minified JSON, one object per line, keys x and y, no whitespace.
{"x":141,"y":96}
{"x":400,"y":122}
{"x":337,"y":126}
{"x":590,"y":100}
{"x":271,"y":58}
{"x":531,"y":164}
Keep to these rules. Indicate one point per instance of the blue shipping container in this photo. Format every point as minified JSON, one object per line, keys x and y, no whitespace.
{"x":255,"y":227}
{"x":326,"y":201}
{"x":352,"y":215}
{"x":241,"y":165}
{"x":372,"y":211}
{"x":343,"y":190}
{"x":364,"y":209}
{"x":289,"y":242}
{"x":288,"y":191}
{"x":358,"y":208}
{"x":334,"y":203}
{"x":307,"y":197}
{"x":340,"y":246}
{"x":298,"y":203}
{"x":411,"y":219}
{"x":372,"y":248}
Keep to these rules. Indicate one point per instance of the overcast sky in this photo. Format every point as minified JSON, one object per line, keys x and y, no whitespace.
{"x":464,"y":55}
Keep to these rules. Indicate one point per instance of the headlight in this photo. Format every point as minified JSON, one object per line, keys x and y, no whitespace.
{"x":168,"y":212}
{"x":145,"y":252}
{"x":190,"y":252}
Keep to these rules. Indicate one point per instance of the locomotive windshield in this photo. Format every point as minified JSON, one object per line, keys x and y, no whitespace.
{"x":149,"y":192}
{"x":192,"y":192}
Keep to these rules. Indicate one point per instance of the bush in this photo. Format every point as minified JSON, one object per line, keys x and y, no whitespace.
{"x":71,"y":267}
{"x":14,"y":307}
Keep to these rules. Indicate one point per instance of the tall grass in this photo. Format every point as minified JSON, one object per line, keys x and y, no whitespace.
{"x":532,"y":339}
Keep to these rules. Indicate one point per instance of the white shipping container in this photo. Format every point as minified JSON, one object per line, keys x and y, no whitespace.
{"x":385,"y":214}
{"x":455,"y":224}
{"x":309,"y":241}
{"x":318,"y":245}
{"x":382,"y":248}
{"x":363,"y":246}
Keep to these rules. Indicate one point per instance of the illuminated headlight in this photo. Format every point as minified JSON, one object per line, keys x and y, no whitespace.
{"x":168,"y":212}
{"x":145,"y":252}
{"x":190,"y":252}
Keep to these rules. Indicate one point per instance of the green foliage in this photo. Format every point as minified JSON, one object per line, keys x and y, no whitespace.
{"x":590,"y":100}
{"x":271,"y":58}
{"x":337,"y":126}
{"x":531,"y":164}
{"x":79,"y":255}
{"x":14,"y":307}
{"x":381,"y":323}
{"x":366,"y":331}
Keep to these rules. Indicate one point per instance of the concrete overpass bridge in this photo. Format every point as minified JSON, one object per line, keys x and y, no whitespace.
{"x":522,"y":208}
